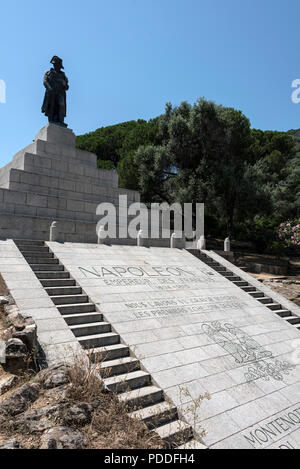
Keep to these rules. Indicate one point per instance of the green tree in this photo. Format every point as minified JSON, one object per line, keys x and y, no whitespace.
{"x":201,"y":159}
{"x":114,"y":143}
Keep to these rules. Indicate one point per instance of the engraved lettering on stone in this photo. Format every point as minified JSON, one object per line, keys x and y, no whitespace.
{"x":246,"y":350}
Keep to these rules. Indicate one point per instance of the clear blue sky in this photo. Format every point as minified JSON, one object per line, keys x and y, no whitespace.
{"x":126,"y":58}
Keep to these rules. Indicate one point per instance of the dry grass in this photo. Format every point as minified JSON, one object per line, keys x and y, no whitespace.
{"x":194,"y":409}
{"x":110,"y":426}
{"x":86,"y":386}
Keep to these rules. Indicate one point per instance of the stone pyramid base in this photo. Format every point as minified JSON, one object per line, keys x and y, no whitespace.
{"x":52,"y":180}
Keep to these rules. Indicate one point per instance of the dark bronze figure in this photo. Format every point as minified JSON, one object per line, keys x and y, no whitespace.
{"x":55,"y":101}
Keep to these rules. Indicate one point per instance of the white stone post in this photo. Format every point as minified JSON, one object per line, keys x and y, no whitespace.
{"x":102,"y":239}
{"x":202,"y":243}
{"x":141,"y":241}
{"x":54,"y":233}
{"x":227,"y":245}
{"x":176,"y":243}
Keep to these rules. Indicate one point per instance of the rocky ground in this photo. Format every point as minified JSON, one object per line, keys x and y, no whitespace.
{"x":65,"y":407}
{"x":284,"y":284}
{"x":288,"y":287}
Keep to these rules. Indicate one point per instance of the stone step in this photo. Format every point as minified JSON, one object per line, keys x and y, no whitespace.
{"x":213,"y":265}
{"x":175,"y":433}
{"x":220,"y":269}
{"x":142,"y":397}
{"x":234,"y":278}
{"x":41,"y":260}
{"x":118,"y":367}
{"x":227,"y":273}
{"x":273,"y":306}
{"x":241,"y":283}
{"x":284,"y":313}
{"x":59,"y":291}
{"x":81,"y":330}
{"x":77,"y":308}
{"x":28,"y":242}
{"x":192,"y":444}
{"x":256,"y":294}
{"x":47,"y":275}
{"x":128,"y":381}
{"x":293,"y":319}
{"x":109,"y":352}
{"x":47,"y":268}
{"x":39,"y":255}
{"x":156,"y":415}
{"x":36,"y":249}
{"x":83,"y":318}
{"x":59,"y":282}
{"x":249,"y":289}
{"x":69,"y":299}
{"x":99,"y":340}
{"x":264,"y":300}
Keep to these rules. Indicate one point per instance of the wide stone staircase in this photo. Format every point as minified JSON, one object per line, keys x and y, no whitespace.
{"x":117,"y":367}
{"x":252,"y":291}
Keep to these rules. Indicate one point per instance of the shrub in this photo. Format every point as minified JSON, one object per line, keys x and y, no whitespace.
{"x":289,"y":233}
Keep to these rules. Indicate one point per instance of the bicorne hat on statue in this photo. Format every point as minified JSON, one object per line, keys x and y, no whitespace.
{"x":56,"y":59}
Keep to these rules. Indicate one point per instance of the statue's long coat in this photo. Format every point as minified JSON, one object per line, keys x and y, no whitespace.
{"x":56,"y":84}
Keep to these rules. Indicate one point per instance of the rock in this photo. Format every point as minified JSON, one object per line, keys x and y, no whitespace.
{"x":16,"y":320}
{"x":28,"y":335}
{"x":20,"y":400}
{"x":15,"y":348}
{"x":62,"y":438}
{"x":4,"y":300}
{"x":59,"y":394}
{"x":38,"y":420}
{"x":54,"y":376}
{"x":76,"y":414}
{"x":11,"y":309}
{"x":7,"y":383}
{"x":28,"y":320}
{"x":11,"y":444}
{"x":7,"y":333}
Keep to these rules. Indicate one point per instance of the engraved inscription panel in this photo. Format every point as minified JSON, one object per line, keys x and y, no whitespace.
{"x":193,"y":329}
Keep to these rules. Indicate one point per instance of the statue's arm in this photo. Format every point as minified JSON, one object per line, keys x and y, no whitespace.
{"x":47,"y":82}
{"x":66,"y":83}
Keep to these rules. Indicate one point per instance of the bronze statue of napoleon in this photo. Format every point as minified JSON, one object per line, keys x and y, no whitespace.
{"x":55,"y":101}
